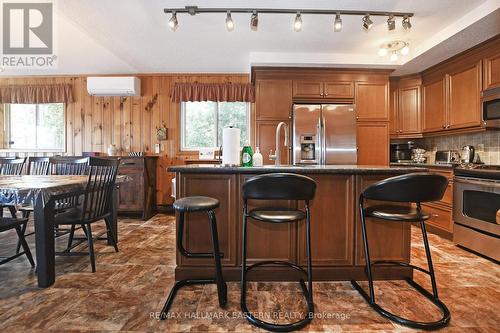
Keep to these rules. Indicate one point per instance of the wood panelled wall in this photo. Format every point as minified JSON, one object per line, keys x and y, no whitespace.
{"x":93,"y":123}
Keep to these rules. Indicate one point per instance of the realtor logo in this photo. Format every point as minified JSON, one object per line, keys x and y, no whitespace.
{"x":28,"y":35}
{"x":27,"y":28}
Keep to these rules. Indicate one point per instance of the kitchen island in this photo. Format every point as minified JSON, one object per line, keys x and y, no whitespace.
{"x":337,"y":248}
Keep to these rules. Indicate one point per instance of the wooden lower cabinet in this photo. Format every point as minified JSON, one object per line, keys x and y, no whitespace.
{"x":332,"y":222}
{"x":387,"y":240}
{"x":337,"y":251}
{"x":197,"y":236}
{"x":373,"y":143}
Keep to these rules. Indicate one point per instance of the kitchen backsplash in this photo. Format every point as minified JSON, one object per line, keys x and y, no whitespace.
{"x":490,"y":139}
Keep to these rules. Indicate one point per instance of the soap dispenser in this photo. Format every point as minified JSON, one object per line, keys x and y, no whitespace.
{"x":257,"y":158}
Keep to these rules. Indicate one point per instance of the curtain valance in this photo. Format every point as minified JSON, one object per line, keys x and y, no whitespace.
{"x":34,"y":94}
{"x":215,"y":92}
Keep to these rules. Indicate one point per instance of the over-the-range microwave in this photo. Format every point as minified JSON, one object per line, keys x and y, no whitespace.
{"x":490,"y":103}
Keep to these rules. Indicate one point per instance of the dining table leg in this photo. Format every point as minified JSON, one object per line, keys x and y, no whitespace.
{"x":113,"y":219}
{"x":44,"y":241}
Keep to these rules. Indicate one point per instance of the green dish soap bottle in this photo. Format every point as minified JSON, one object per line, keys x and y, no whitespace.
{"x":246,"y":155}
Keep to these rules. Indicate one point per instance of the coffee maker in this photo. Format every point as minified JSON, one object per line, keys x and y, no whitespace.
{"x":402,"y":152}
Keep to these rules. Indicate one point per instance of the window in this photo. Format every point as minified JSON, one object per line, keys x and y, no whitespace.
{"x":35,"y":126}
{"x":202,"y":123}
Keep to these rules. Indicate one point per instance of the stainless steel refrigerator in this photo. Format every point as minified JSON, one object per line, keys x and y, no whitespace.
{"x":324,"y":134}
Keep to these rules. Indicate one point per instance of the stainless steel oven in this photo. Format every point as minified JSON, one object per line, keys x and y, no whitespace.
{"x":490,"y":102}
{"x":476,"y":211}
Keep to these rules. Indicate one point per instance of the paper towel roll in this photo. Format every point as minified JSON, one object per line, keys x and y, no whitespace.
{"x":231,"y":146}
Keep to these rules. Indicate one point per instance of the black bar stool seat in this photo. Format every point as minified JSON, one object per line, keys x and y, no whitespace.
{"x":195,"y":204}
{"x":281,"y":187}
{"x":277,"y":215}
{"x":198,"y":204}
{"x":414,"y":189}
{"x":397,"y":213}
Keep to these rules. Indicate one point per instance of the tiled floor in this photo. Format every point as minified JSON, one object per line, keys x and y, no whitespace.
{"x":129,"y":287}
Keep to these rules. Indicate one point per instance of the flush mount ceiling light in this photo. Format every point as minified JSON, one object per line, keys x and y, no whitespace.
{"x":406,"y":23}
{"x":254,"y":21}
{"x":229,"y":22}
{"x":394,"y":48}
{"x":367,"y":22}
{"x":337,"y":26}
{"x":391,"y":23}
{"x":297,"y":24}
{"x":172,"y":23}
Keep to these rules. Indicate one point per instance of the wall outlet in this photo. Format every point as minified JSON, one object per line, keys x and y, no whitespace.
{"x":157,"y":148}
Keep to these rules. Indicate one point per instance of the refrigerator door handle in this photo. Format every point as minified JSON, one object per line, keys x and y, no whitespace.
{"x":319,"y":148}
{"x":323,"y":138}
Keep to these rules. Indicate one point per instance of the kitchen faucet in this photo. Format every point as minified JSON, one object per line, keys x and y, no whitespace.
{"x":277,"y":153}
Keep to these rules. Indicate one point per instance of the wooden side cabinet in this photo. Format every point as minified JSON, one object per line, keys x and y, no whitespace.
{"x":373,"y":143}
{"x":372,"y":101}
{"x":491,"y":76}
{"x":434,"y":101}
{"x":138,"y":195}
{"x":273,"y":99}
{"x":405,"y":105}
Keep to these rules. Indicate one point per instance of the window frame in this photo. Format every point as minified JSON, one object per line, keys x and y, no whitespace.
{"x":182,"y":131}
{"x":7,"y":131}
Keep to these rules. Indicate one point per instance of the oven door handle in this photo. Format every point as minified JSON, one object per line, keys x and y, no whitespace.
{"x":483,"y":182}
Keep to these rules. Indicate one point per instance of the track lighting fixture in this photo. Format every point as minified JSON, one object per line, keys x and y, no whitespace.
{"x":406,"y":23}
{"x":391,"y":23}
{"x":405,"y":50}
{"x":229,"y":22}
{"x":172,"y":23}
{"x":297,"y":25}
{"x":254,"y":21}
{"x":337,"y":25}
{"x":367,"y":22}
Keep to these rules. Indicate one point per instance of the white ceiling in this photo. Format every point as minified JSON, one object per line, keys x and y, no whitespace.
{"x":132,"y":36}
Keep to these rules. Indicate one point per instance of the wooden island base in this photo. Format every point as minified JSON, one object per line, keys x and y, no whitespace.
{"x":337,"y":248}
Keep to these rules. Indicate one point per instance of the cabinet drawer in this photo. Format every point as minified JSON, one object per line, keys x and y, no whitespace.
{"x":441,"y":217}
{"x":339,"y":89}
{"x":308,"y":89}
{"x":131,"y":163}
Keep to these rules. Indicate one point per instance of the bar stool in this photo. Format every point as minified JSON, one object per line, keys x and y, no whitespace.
{"x":412,"y":188}
{"x":198,"y":204}
{"x":279,"y":186}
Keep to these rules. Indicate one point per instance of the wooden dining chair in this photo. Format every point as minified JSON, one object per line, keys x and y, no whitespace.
{"x":12,"y":167}
{"x":12,"y":223}
{"x":37,"y":166}
{"x":96,"y":206}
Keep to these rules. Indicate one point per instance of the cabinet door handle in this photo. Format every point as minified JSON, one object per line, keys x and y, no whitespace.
{"x":435,"y":215}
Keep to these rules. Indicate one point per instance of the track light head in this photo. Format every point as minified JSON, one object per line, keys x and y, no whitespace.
{"x":337,"y":25}
{"x":367,"y":22}
{"x":406,"y":23}
{"x":172,"y":23}
{"x":229,"y":22}
{"x":297,"y":25}
{"x":391,"y":23}
{"x":254,"y":21}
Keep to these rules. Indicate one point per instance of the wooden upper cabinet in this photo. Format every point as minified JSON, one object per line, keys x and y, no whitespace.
{"x":273,"y":99}
{"x":464,"y":108}
{"x":434,"y":102}
{"x":338,"y":90}
{"x":372,"y":101}
{"x":320,"y":89}
{"x":409,"y":110}
{"x":373,"y":143}
{"x":311,"y":89}
{"x":491,"y":77}
{"x":393,"y":109}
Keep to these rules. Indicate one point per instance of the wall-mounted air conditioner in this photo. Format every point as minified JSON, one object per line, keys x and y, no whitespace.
{"x":114,"y":86}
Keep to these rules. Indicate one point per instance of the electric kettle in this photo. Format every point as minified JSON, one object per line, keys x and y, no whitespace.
{"x":467,"y":155}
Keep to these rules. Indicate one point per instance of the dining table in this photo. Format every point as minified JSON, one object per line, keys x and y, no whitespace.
{"x":42,"y":192}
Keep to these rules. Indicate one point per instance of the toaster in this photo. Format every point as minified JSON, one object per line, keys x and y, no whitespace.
{"x":447,"y":157}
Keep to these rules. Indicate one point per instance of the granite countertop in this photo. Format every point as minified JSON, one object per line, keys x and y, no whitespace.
{"x":425,"y":165}
{"x":309,"y":169}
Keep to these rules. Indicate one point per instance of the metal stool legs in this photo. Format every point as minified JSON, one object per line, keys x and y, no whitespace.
{"x":216,"y":254}
{"x":445,"y":319}
{"x":307,"y":291}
